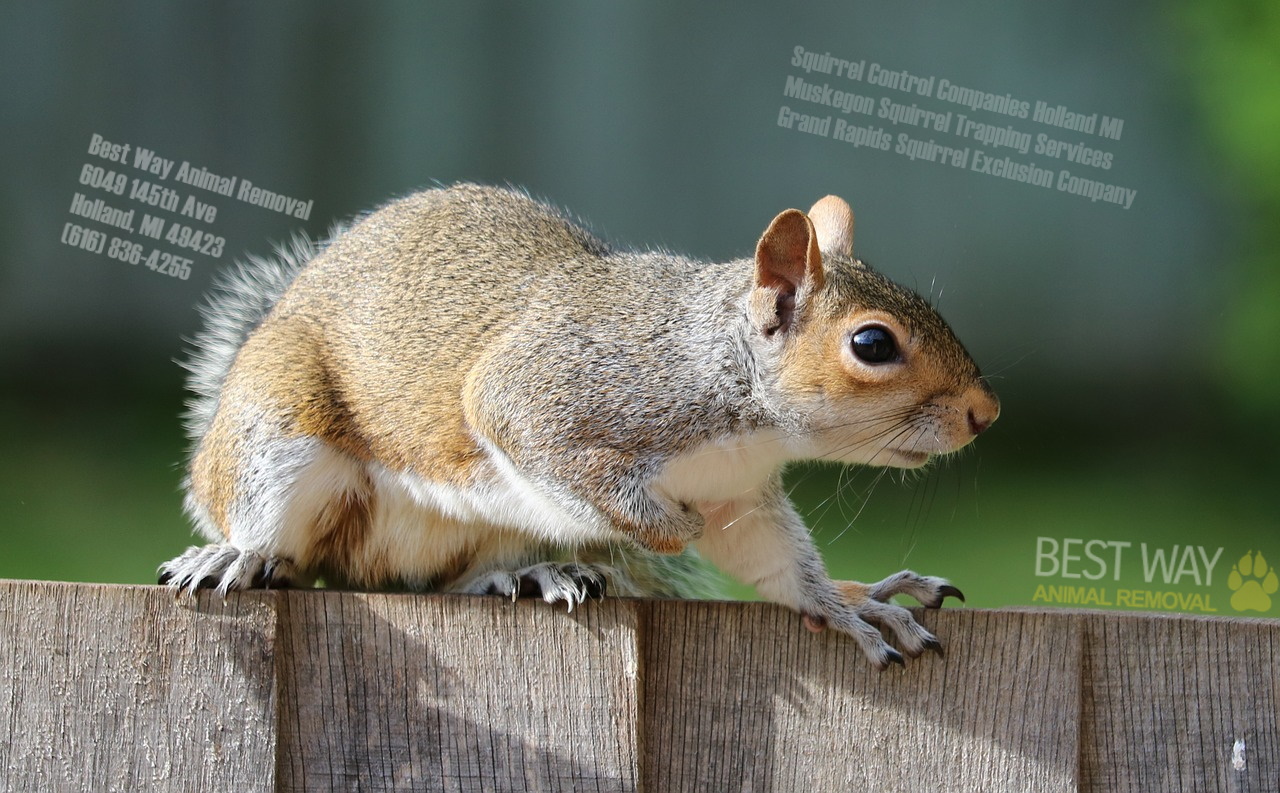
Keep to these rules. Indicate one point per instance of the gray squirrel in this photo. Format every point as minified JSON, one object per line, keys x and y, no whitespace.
{"x":465,"y":391}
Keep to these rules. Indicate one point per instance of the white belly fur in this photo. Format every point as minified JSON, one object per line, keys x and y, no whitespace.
{"x":724,"y":471}
{"x":419,"y":527}
{"x":422,"y":526}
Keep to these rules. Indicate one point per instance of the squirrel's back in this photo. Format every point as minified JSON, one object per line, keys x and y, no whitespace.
{"x":359,"y":357}
{"x":436,"y":230}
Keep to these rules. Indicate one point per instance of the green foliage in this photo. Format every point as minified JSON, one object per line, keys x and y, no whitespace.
{"x":1253,"y":354}
{"x":1232,"y":56}
{"x":1233,"y":61}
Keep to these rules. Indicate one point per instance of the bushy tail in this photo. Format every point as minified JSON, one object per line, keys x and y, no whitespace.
{"x":239,"y":301}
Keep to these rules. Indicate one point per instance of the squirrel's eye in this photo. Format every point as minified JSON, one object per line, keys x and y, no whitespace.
{"x":874,"y":345}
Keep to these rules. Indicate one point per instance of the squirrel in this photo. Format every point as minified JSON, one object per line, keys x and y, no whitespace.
{"x":467,"y":391}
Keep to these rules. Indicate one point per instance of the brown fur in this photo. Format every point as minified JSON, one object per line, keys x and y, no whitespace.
{"x":853,"y":592}
{"x":341,"y":532}
{"x":215,"y":470}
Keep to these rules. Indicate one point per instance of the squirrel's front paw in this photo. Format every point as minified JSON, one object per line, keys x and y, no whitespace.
{"x":927,"y":589}
{"x":864,"y":622}
{"x":570,"y":582}
{"x":870,"y":611}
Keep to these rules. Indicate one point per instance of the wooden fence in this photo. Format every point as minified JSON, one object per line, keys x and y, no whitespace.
{"x":124,"y":688}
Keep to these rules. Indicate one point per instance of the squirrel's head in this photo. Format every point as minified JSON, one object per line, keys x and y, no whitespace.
{"x":879,"y":376}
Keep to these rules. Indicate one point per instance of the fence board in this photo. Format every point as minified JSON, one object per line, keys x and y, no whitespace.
{"x":122,"y":688}
{"x":400,"y":692}
{"x":738,"y":697}
{"x":1167,"y":699}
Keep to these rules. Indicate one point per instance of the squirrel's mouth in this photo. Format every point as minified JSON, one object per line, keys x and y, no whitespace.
{"x":859,"y":451}
{"x":901,"y":458}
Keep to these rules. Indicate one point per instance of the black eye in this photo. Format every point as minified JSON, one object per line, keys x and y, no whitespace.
{"x":874,"y":345}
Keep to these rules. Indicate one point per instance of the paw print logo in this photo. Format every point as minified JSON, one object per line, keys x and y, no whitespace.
{"x":1254,"y":582}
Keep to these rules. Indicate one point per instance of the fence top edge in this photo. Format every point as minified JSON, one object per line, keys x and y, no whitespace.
{"x":946,"y":613}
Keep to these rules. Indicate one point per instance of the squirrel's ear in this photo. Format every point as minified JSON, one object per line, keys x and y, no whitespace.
{"x":833,"y":220}
{"x":787,"y":256}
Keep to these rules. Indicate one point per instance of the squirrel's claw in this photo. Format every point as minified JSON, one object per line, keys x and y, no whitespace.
{"x":892,"y":656}
{"x":225,"y":568}
{"x":569,"y":582}
{"x":935,"y":646}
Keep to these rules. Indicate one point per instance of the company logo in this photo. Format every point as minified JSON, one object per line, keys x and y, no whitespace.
{"x":1253,"y":583}
{"x":1124,"y":574}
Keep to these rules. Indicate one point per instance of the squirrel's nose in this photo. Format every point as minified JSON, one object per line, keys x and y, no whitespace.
{"x":977,"y":425}
{"x":983,"y":411}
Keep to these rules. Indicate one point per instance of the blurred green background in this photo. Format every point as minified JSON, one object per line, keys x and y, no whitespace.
{"x":1137,"y":352}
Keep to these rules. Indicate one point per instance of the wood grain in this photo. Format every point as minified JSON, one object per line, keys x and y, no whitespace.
{"x":740,"y":697}
{"x":401,"y":692}
{"x":1167,"y":698}
{"x":124,"y":688}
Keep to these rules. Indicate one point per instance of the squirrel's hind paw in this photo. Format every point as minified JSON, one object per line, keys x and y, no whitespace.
{"x":224,"y":568}
{"x":570,"y":582}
